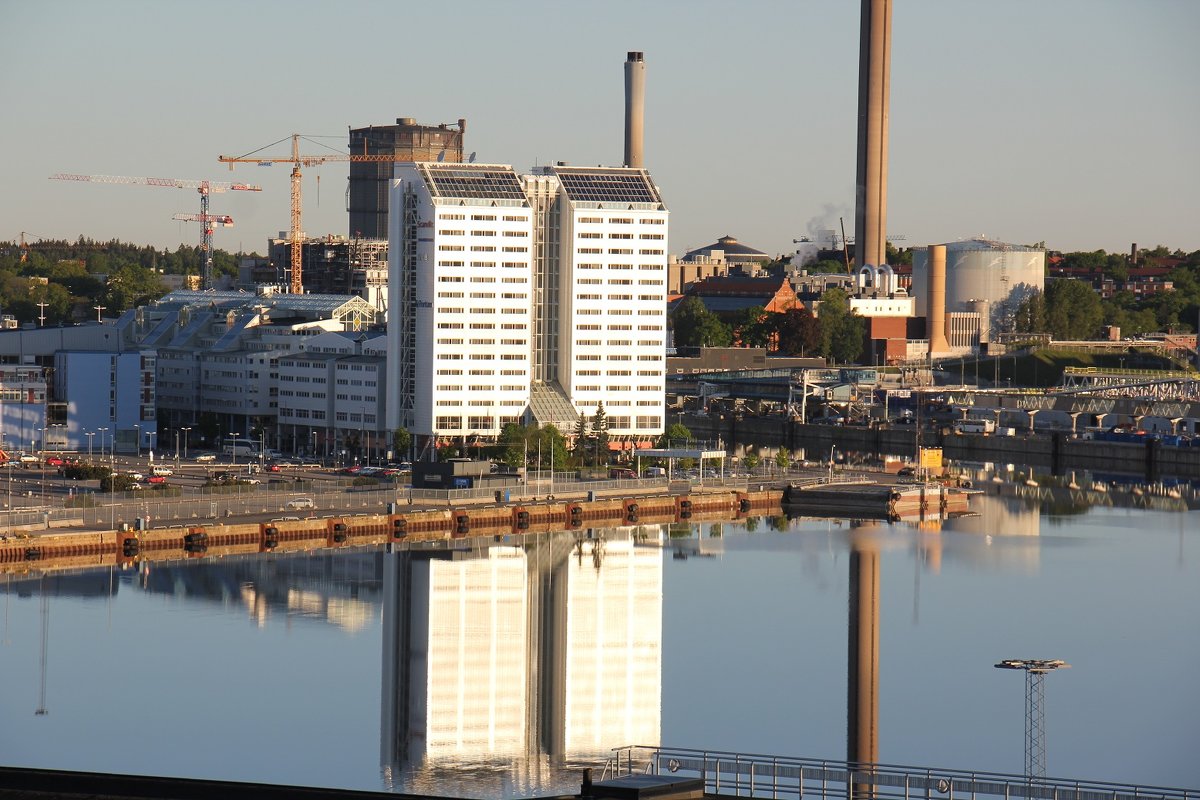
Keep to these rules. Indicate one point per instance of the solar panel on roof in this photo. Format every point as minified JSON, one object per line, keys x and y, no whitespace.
{"x":483,"y":183}
{"x":607,"y":186}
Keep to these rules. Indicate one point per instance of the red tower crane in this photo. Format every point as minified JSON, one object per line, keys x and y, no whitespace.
{"x":205,"y":188}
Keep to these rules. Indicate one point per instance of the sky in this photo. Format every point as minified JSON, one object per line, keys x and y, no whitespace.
{"x":1072,"y":122}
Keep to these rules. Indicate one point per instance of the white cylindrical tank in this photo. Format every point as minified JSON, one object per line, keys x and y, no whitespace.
{"x":980,"y":269}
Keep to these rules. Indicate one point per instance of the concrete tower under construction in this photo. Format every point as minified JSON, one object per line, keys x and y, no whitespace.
{"x":874,"y":77}
{"x":367,"y":202}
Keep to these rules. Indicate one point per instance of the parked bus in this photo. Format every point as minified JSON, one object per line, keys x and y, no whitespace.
{"x":975,"y":426}
{"x":240,"y":448}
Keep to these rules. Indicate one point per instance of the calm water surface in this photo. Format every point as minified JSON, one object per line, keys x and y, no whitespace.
{"x":501,"y":672}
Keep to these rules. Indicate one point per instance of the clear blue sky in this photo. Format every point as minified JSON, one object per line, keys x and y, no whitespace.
{"x":1072,"y":121}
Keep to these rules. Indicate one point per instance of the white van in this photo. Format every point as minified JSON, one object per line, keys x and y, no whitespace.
{"x":162,"y":472}
{"x":301,"y":502}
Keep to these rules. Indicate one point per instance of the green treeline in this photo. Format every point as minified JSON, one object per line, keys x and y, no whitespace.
{"x":71,"y":278}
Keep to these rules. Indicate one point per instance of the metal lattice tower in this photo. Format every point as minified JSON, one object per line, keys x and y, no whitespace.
{"x":1035,"y":716}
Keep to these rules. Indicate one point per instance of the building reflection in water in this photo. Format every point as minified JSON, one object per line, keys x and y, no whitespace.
{"x":503,"y":664}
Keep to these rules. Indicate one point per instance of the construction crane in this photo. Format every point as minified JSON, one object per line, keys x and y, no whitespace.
{"x":205,"y":188}
{"x":295,"y":232}
{"x":24,"y":247}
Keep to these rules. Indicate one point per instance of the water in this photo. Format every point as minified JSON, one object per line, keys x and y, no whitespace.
{"x":508,"y":670}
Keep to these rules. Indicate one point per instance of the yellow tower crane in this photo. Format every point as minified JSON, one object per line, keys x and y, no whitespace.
{"x":295,"y":232}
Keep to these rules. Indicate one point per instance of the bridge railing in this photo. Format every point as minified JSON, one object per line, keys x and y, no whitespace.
{"x":762,"y":776}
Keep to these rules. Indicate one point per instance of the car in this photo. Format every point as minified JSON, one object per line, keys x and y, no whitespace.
{"x":273,"y":468}
{"x":135,"y":486}
{"x":310,"y":465}
{"x":204,"y":458}
{"x":54,"y":461}
{"x":159,"y":479}
{"x":249,"y":481}
{"x":906,"y":472}
{"x":162,"y":472}
{"x":29,"y":458}
{"x":301,"y":502}
{"x":137,"y":476}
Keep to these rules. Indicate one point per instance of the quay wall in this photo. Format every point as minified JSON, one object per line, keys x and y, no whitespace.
{"x":24,"y":553}
{"x":1056,"y":451}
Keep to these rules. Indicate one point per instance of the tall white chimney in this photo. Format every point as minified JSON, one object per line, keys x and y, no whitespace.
{"x":635,"y":102}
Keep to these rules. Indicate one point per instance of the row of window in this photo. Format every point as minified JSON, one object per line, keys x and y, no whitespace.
{"x":622,"y":221}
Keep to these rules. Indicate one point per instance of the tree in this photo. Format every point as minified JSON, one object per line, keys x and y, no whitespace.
{"x":797,"y":332}
{"x":1073,"y":310}
{"x":1030,"y":316}
{"x":696,"y":326}
{"x":753,"y":327}
{"x":579,"y":448}
{"x":513,"y":444}
{"x":401,"y":443}
{"x":600,"y":434}
{"x":751,"y":461}
{"x":553,"y":447}
{"x":677,"y":434}
{"x":842,"y":330}
{"x":783,"y":458}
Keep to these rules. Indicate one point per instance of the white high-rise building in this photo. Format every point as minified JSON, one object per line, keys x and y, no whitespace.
{"x":526,"y":299}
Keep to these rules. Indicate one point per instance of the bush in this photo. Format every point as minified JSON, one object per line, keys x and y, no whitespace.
{"x":85,"y":472}
{"x":364,"y":481}
{"x":80,"y":501}
{"x":116,"y":483}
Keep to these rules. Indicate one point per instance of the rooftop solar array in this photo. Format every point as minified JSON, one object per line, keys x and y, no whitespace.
{"x":607,"y":186}
{"x":473,"y":183}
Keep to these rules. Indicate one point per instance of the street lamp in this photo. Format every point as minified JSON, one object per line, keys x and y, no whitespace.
{"x":233,"y":447}
{"x":91,"y":435}
{"x":151,"y":435}
{"x":1035,"y":718}
{"x":137,"y":432}
{"x":102,"y":432}
{"x":185,"y":438}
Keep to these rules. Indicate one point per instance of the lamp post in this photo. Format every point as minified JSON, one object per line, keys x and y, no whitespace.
{"x":151,"y":435}
{"x":102,"y":432}
{"x":233,"y":447}
{"x":185,"y":438}
{"x":137,"y":432}
{"x":91,"y":435}
{"x":1035,"y":717}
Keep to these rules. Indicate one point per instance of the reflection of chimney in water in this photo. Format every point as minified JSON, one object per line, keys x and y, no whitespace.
{"x":635,"y":102}
{"x":862,"y":655}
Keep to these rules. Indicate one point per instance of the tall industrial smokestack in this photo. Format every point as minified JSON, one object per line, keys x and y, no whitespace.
{"x":935,"y":305}
{"x":874,"y":78}
{"x":635,"y":103}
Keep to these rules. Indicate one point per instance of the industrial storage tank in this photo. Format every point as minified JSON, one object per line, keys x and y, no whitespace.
{"x":981,"y":270}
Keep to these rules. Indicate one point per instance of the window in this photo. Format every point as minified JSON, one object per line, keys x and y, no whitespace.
{"x":449,"y":232}
{"x":449,"y":423}
{"x":485,"y":217}
{"x":590,"y":251}
{"x":482,"y":248}
{"x":650,"y":252}
{"x":516,"y":233}
{"x":452,"y":216}
{"x":451,"y":248}
{"x":514,"y":218}
{"x":591,"y":220}
{"x":451,"y":278}
{"x":621,"y":221}
{"x":483,"y":233}
{"x":514,"y":249}
{"x":485,"y":295}
{"x":620,"y":236}
{"x":620,"y":251}
{"x":651,"y":221}
{"x":482,"y":341}
{"x":650,"y":236}
{"x":589,"y":235}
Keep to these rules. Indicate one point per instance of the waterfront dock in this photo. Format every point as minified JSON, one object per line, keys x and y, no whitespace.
{"x":867,"y":499}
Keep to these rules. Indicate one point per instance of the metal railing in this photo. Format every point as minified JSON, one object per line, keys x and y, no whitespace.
{"x":751,"y":775}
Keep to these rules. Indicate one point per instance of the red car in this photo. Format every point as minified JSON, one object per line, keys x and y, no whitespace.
{"x":54,"y":461}
{"x":272,"y":468}
{"x":156,"y":479}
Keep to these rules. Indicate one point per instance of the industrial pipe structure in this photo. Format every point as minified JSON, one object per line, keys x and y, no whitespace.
{"x":635,"y":105}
